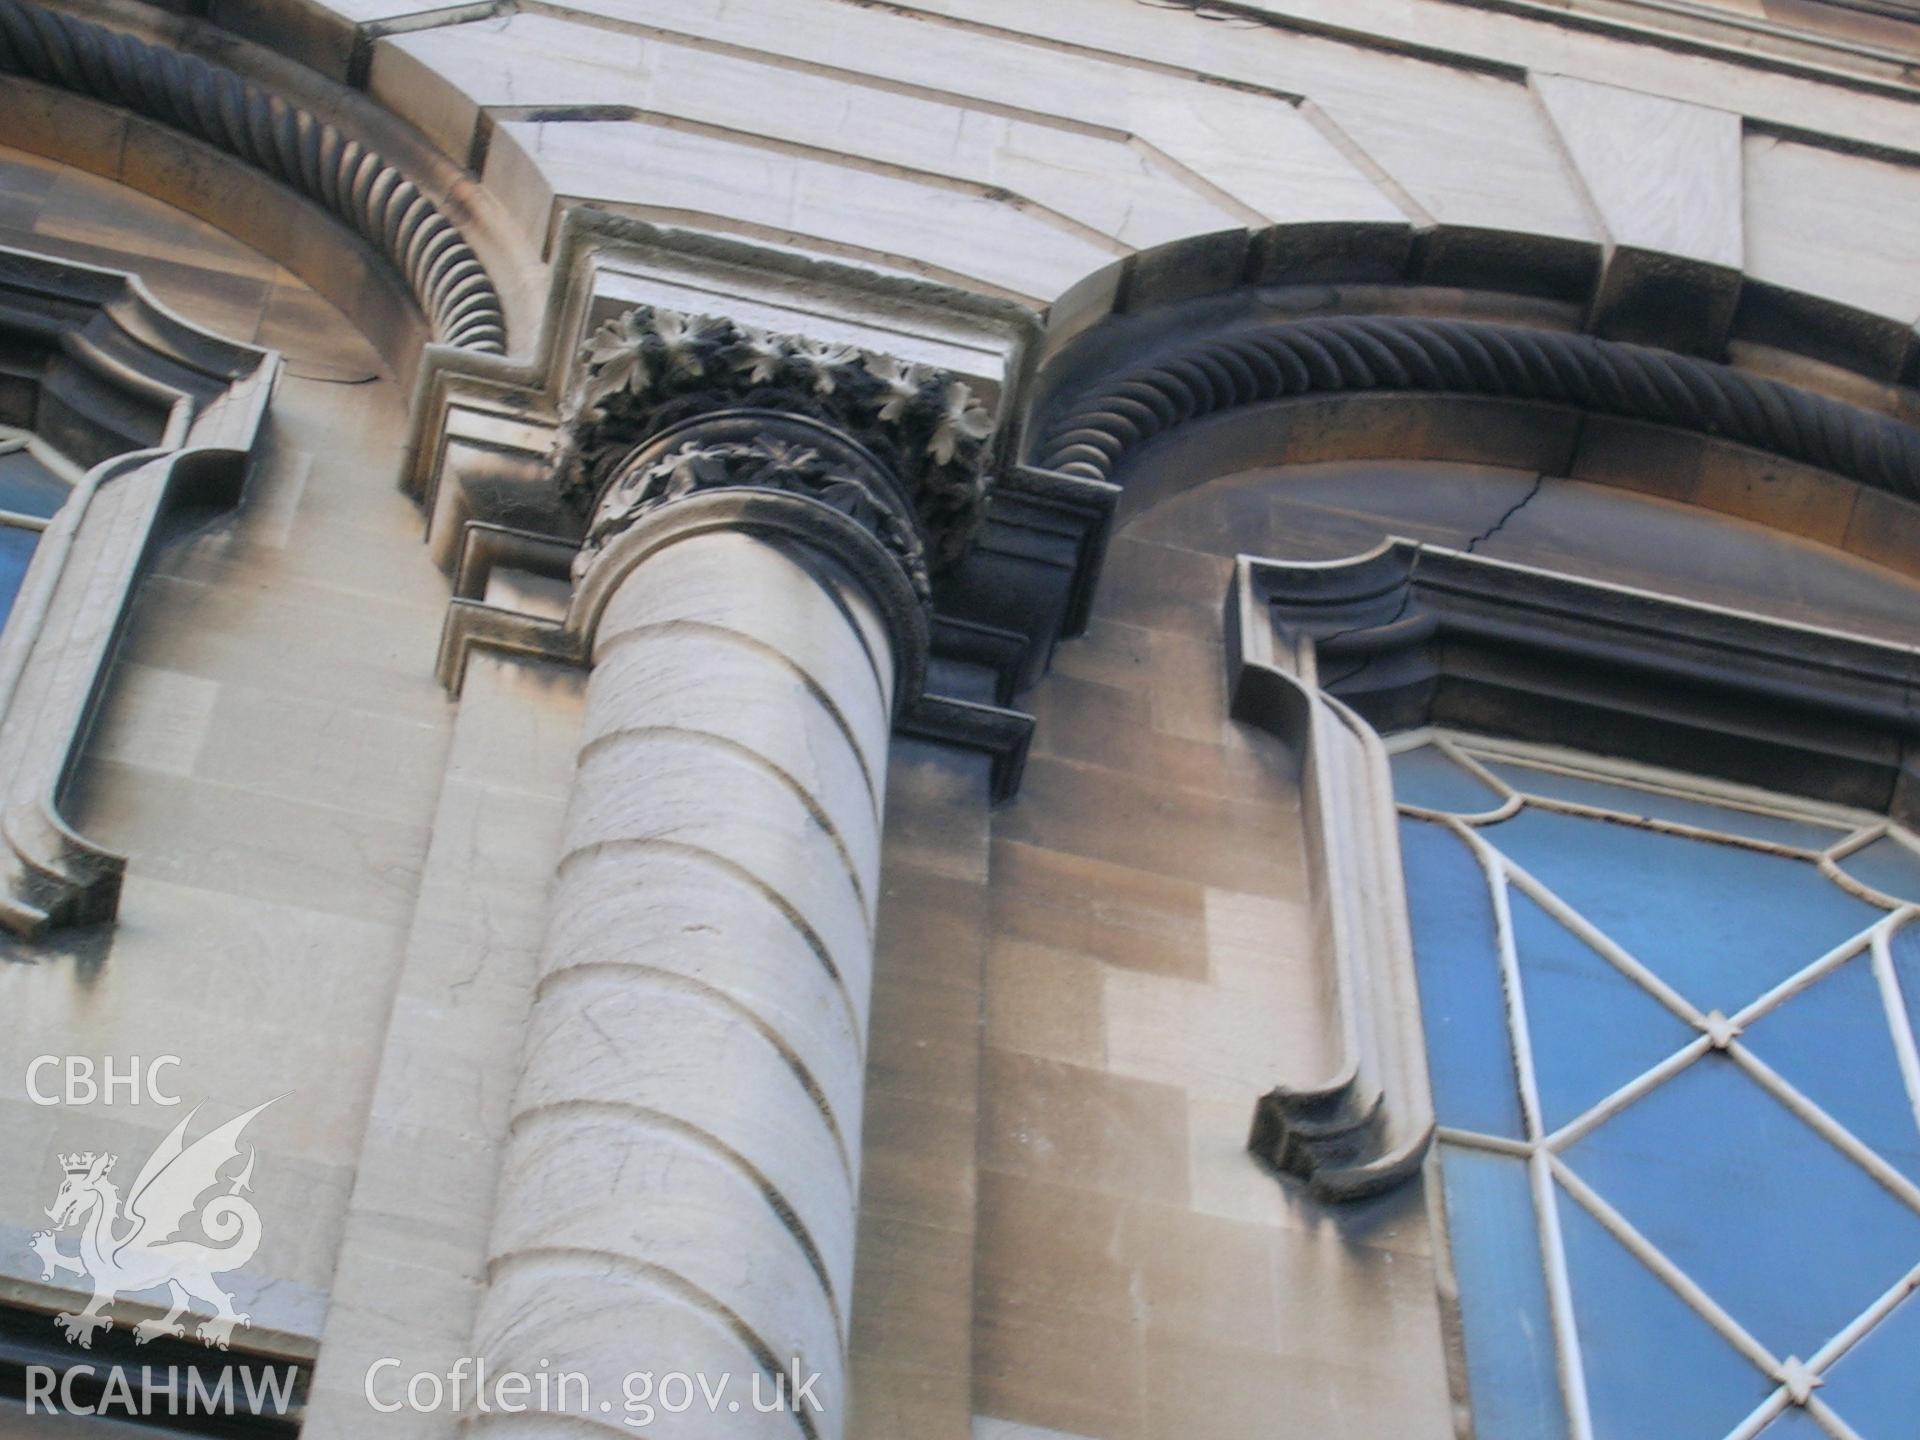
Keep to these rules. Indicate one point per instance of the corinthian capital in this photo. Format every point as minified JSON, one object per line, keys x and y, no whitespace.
{"x":766,"y":450}
{"x":649,"y":369}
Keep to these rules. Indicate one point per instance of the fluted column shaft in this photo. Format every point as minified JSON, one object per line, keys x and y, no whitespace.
{"x":679,"y":1187}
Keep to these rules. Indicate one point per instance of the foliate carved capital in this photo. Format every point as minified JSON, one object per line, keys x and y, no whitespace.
{"x":649,"y":369}
{"x":751,"y":449}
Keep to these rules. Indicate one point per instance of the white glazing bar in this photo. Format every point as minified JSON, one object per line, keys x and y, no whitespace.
{"x":1802,"y":979}
{"x":1858,"y":888}
{"x":1473,"y":767}
{"x":1858,"y":840}
{"x":1553,"y":1256}
{"x":1402,"y":741}
{"x":1655,"y":1260}
{"x":1519,"y":1034}
{"x":1657,"y":780}
{"x":1628,"y":1093}
{"x":1763,"y":1415}
{"x":1824,"y":1417}
{"x":1829,"y":1129}
{"x":1498,"y":1144}
{"x":1604,"y":946}
{"x":1895,"y":1000}
{"x":1677,"y":828}
{"x":1510,"y":800}
{"x":1830,"y":1352}
{"x":1508,"y":809}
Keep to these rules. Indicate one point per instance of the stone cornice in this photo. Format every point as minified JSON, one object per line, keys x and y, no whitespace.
{"x":287,"y":141}
{"x":648,"y":369}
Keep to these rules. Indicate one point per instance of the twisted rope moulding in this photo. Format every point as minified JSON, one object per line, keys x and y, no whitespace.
{"x":1469,"y":357}
{"x":214,"y":104}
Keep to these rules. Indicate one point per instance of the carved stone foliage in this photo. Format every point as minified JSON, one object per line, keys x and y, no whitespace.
{"x":649,"y":369}
{"x":777,"y":455}
{"x":290,"y":143}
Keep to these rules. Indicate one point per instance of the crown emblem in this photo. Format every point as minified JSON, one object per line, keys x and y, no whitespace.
{"x":80,"y":1164}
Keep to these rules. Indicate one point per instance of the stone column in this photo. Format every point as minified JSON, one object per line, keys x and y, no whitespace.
{"x":679,"y":1185}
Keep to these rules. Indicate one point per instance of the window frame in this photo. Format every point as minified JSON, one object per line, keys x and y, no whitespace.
{"x":1794,"y":1378}
{"x":1409,"y":638}
{"x":89,"y":348}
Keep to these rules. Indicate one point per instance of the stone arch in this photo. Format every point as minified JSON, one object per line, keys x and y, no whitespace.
{"x":388,"y":232}
{"x":1321,"y":343}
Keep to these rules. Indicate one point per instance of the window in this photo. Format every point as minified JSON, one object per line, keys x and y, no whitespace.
{"x":1674,"y":1067}
{"x":35,"y":480}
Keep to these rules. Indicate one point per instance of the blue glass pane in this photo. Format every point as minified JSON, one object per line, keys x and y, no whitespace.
{"x":1832,"y":1043}
{"x":1457,"y":960}
{"x":1593,"y":1029}
{"x":1788,"y":1235}
{"x":1511,"y":1360}
{"x":27,"y":487}
{"x":1875,"y":1386}
{"x":1719,"y":923}
{"x":1795,"y":1424}
{"x":1888,"y":866}
{"x":1655,"y":1370}
{"x":1681,"y":810}
{"x":1427,"y":778}
{"x":16,"y":549}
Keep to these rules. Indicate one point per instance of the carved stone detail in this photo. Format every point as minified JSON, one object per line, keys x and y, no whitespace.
{"x":292,"y":144}
{"x":777,"y":454}
{"x":1354,"y":353}
{"x":648,"y":369}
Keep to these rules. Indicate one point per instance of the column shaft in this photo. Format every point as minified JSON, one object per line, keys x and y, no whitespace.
{"x":680,"y":1181}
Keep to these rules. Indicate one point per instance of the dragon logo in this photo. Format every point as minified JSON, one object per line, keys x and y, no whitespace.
{"x":143,"y":1248}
